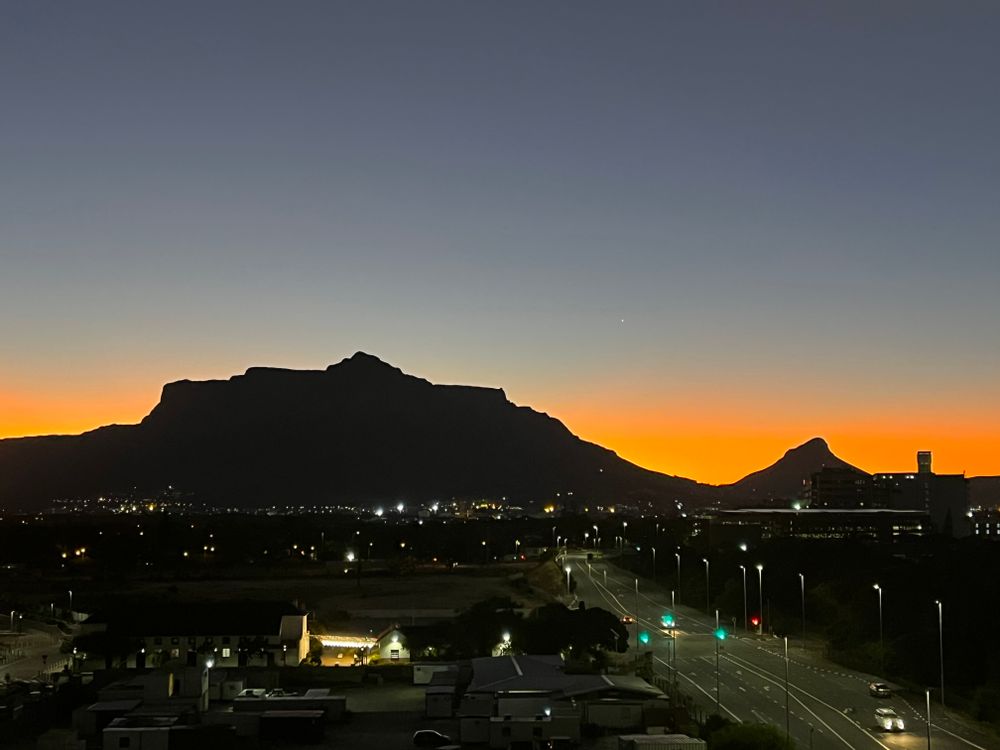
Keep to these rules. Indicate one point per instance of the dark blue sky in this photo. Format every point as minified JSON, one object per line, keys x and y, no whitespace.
{"x":792,"y":206}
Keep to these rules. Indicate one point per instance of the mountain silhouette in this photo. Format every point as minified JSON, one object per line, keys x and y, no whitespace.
{"x":784,"y":478}
{"x":359,"y":431}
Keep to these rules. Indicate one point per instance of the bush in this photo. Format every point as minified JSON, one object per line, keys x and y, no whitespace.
{"x":749,"y":737}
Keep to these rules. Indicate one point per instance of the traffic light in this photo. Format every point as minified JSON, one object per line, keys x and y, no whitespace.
{"x":644,"y":637}
{"x":755,"y":621}
{"x":667,"y":620}
{"x":720,"y":634}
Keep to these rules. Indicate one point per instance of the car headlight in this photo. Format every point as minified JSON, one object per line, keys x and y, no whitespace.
{"x":899,"y":724}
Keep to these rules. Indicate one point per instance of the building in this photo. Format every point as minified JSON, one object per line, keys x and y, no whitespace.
{"x":533,"y":698}
{"x":752,"y":525}
{"x":985,"y":523}
{"x":944,"y":497}
{"x":836,"y":487}
{"x":221,"y":634}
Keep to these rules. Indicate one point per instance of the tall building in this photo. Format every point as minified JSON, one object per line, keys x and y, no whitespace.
{"x":924,"y":462}
{"x":836,"y":487}
{"x":944,"y":497}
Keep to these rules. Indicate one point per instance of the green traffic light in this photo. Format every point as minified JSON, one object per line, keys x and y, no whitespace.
{"x":720,"y":634}
{"x":644,"y":637}
{"x":667,"y":620}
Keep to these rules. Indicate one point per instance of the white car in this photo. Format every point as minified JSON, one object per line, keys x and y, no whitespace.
{"x":879,"y":690}
{"x":889,"y":720}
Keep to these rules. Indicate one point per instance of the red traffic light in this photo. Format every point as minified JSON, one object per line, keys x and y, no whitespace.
{"x":755,"y":621}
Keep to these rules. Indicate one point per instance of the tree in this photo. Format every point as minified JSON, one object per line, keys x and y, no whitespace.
{"x":749,"y":737}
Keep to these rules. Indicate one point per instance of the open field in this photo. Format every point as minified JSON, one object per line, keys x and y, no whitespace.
{"x":429,"y":594}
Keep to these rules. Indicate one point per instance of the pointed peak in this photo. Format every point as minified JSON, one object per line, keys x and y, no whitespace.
{"x":816,"y":443}
{"x":362,"y":360}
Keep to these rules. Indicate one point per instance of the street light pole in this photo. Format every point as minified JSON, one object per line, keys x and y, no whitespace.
{"x":881,"y":640}
{"x":788,"y":723}
{"x":678,"y":556}
{"x":927,"y":694}
{"x":746,"y":622}
{"x":708,"y":590}
{"x":802,"y":580}
{"x":760,"y":592}
{"x":637,"y":618}
{"x":718,"y":691}
{"x":567,"y":578}
{"x":940,"y":607}
{"x":654,"y":564}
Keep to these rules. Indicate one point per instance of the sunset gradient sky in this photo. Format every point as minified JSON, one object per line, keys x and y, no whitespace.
{"x":698,"y":233}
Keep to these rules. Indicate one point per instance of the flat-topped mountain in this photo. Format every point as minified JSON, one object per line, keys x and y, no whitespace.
{"x":361,"y":430}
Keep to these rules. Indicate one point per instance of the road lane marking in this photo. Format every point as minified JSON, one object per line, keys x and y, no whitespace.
{"x":707,"y":694}
{"x":761,"y":673}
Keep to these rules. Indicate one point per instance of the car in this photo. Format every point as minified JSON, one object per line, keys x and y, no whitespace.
{"x":279,"y":693}
{"x":252,"y":693}
{"x":430,"y":738}
{"x":879,"y":690}
{"x":628,"y":619}
{"x":889,"y":720}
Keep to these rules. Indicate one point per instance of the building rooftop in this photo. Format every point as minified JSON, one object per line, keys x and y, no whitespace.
{"x":545,"y":674}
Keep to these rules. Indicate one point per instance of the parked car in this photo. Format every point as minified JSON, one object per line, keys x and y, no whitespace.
{"x":430,"y":738}
{"x":252,"y":693}
{"x":279,"y":693}
{"x":879,"y":690}
{"x":889,"y":720}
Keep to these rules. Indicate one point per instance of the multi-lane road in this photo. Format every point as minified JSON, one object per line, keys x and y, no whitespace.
{"x":826,"y":706}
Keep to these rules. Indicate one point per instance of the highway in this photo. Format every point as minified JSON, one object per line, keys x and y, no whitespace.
{"x":828,"y":707}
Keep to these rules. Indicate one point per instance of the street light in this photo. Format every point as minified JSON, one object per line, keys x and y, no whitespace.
{"x":71,"y":604}
{"x":881,"y":640}
{"x":708,"y":591}
{"x":746,"y":622}
{"x":760,"y":601}
{"x":654,"y":564}
{"x":567,"y":569}
{"x":940,"y":607}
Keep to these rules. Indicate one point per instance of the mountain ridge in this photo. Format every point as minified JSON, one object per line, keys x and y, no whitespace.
{"x":359,"y":429}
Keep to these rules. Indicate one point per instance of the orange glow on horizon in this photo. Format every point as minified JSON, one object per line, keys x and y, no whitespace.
{"x":711,"y":441}
{"x":26,"y":415}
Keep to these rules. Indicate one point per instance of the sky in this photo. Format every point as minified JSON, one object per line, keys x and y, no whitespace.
{"x":698,"y":233}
